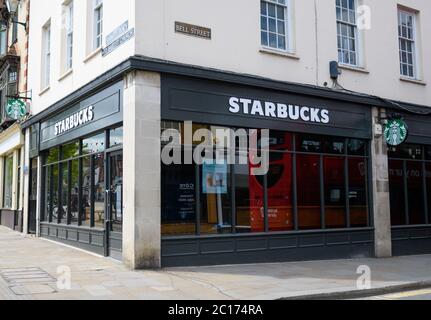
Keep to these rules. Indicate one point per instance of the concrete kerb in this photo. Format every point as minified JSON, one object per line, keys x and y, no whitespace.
{"x":358,"y":294}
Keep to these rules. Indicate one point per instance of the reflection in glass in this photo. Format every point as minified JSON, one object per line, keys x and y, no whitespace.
{"x":358,"y":192}
{"x":415,"y":192}
{"x":86,"y":192}
{"x":280,"y":213}
{"x":8,"y":181}
{"x":308,"y":182}
{"x":55,"y":193}
{"x":70,"y":151}
{"x":309,"y":143}
{"x":178,"y":200}
{"x":396,"y":186}
{"x":99,"y":191}
{"x":335,"y":198}
{"x":216,"y":200}
{"x":116,"y":137}
{"x":94,"y":144}
{"x":64,"y":193}
{"x":116,"y":192}
{"x":74,"y":196}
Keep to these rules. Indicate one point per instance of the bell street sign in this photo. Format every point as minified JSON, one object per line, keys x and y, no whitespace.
{"x":396,"y":132}
{"x":16,"y":109}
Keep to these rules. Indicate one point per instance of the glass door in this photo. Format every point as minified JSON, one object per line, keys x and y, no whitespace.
{"x":115,"y":205}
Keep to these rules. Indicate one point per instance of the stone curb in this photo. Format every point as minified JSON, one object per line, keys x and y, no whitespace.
{"x":358,"y":294}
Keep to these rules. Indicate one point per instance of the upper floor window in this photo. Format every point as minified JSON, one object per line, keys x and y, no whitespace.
{"x":97,"y":24}
{"x":46,"y":55}
{"x":68,"y":25}
{"x":3,"y":38}
{"x":407,"y":40}
{"x":274,"y":24}
{"x":347,"y":32}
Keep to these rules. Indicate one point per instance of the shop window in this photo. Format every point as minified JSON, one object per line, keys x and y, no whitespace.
{"x":215,"y":194}
{"x":53,"y":155}
{"x":178,"y":200}
{"x":308,"y":190}
{"x":55,"y":211}
{"x":280,"y":210}
{"x":358,"y":192}
{"x":428,"y":182}
{"x":335,"y":195}
{"x":48,"y":198}
{"x":99,"y":191}
{"x":397,"y":194}
{"x":74,"y":192}
{"x":406,"y":151}
{"x":415,"y":192}
{"x":64,"y":206}
{"x":280,"y":141}
{"x":357,"y":147}
{"x":70,"y":151}
{"x":8,"y":182}
{"x":86,"y":192}
{"x":95,"y":144}
{"x":309,"y":143}
{"x":116,"y":137}
{"x":249,"y":201}
{"x":332,"y":145}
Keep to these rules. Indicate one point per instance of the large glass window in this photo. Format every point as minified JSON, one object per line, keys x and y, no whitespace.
{"x":312,"y":182}
{"x":407,"y":43}
{"x":8,"y":182}
{"x":347,"y":32}
{"x":75,"y":182}
{"x":410,"y":184}
{"x":274,"y":24}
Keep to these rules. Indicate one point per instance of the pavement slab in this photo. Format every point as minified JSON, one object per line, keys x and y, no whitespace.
{"x":34,"y":269}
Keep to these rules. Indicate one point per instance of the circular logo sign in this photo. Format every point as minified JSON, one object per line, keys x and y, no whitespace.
{"x":16,"y":109}
{"x":396,"y":132}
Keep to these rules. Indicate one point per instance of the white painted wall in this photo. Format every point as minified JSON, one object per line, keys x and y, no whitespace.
{"x":84,"y":69}
{"x":235,"y":45}
{"x":236,"y":42}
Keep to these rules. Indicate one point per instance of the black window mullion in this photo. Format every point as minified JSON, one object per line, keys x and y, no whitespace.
{"x":51,"y":193}
{"x":69,"y":192}
{"x":265,"y":202}
{"x":425,"y":187}
{"x":347,"y":185}
{"x":294,"y":186}
{"x":92,"y":191}
{"x":198,"y":199}
{"x":406,"y":193}
{"x":322,"y":193}
{"x":60,"y":191}
{"x":233,"y":197}
{"x":80,"y":191}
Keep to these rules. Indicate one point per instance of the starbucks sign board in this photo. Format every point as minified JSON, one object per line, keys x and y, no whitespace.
{"x":16,"y":109}
{"x":396,"y":132}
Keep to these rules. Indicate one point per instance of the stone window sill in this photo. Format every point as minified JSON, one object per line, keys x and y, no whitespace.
{"x":93,"y":54}
{"x":353,"y":68}
{"x":415,"y":81}
{"x":65,"y":75}
{"x":279,"y":53}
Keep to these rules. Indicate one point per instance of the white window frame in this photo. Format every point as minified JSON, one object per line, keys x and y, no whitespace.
{"x":356,"y":33}
{"x":288,"y":37}
{"x":412,"y":40}
{"x":97,"y":24}
{"x":46,"y":55}
{"x":68,"y":26}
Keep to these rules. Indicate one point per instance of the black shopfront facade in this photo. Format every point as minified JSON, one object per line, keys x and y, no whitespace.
{"x":80,"y":152}
{"x":315,"y":202}
{"x":410,"y":185}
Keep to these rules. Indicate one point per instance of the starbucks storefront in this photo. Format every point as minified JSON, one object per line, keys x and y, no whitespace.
{"x":81,"y":196}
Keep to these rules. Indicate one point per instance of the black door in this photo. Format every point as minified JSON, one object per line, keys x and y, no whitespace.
{"x":114,"y":202}
{"x":32,"y":198}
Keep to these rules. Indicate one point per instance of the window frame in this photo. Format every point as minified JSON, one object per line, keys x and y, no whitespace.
{"x":46,"y":55}
{"x":68,"y":35}
{"x":287,"y":26}
{"x":412,"y":41}
{"x":97,"y":13}
{"x":356,"y":34}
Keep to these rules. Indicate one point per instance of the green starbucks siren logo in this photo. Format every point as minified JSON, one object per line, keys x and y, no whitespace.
{"x":396,"y":132}
{"x":16,"y":109}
